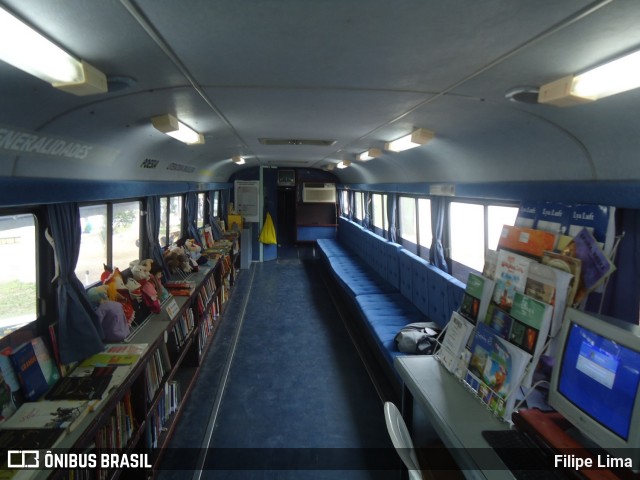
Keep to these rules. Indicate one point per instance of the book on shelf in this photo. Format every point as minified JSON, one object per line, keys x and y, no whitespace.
{"x":495,"y":370}
{"x":11,"y":385}
{"x":596,"y":266}
{"x":566,"y":263}
{"x":34,"y":367}
{"x":510,"y":277}
{"x":458,"y":332}
{"x":79,"y":388}
{"x":55,"y":414}
{"x":526,"y":241}
{"x":126,"y":348}
{"x":109,"y":359}
{"x":476,"y":297}
{"x":551,"y":286}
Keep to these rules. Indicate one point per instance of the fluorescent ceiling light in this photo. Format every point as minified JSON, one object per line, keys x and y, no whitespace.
{"x":344,"y":164}
{"x":175,"y":128}
{"x":614,"y":77}
{"x":418,"y":137}
{"x":237,"y":159}
{"x":28,"y":50}
{"x":370,"y":154}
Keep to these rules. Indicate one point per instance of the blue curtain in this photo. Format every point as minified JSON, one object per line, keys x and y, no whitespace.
{"x":154,"y":218}
{"x":191,"y":206}
{"x":392,"y":217}
{"x":79,"y":330}
{"x":352,"y":203}
{"x":215,"y":229}
{"x":340,"y":203}
{"x":225,"y":198}
{"x":436,"y":252}
{"x":366,"y":215}
{"x":622,"y":296}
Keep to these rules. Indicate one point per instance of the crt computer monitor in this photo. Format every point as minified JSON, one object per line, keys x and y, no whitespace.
{"x":595,"y":381}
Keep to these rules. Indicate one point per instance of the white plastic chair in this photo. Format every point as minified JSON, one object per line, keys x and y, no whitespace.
{"x":402,"y":440}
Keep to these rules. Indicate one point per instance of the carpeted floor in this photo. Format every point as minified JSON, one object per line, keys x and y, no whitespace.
{"x":297,"y":401}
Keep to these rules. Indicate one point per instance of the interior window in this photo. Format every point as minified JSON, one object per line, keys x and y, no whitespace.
{"x":424,"y":224}
{"x":126,"y":233}
{"x":201,"y":202}
{"x":175,"y":218}
{"x":378,"y":211}
{"x":18,"y":274}
{"x":93,"y":243}
{"x":408,"y":219}
{"x":163,"y":235}
{"x":467,"y":234}
{"x":358,"y":206}
{"x":497,"y":217}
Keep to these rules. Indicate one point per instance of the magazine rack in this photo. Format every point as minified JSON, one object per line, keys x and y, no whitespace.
{"x":500,"y":404}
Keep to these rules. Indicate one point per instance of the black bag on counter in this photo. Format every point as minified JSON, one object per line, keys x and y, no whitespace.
{"x":418,"y":338}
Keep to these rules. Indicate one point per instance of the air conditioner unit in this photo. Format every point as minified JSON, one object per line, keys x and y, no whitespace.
{"x":319,"y":193}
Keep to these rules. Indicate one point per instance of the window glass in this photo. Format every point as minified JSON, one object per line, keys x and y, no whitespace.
{"x":378,"y":211}
{"x":467,"y":234}
{"x":201,"y":201}
{"x":18,"y":274}
{"x":345,"y":202}
{"x":358,"y":206}
{"x":408,"y":219}
{"x":175,"y":218}
{"x":126,"y":233}
{"x":424,"y":222}
{"x":93,"y":243}
{"x":497,"y":217}
{"x":163,"y":235}
{"x":216,"y":204}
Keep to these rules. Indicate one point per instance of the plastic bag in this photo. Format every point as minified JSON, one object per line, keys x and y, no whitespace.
{"x":268,"y":233}
{"x":418,"y":338}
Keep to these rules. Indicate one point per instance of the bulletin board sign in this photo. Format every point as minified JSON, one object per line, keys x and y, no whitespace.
{"x":247,"y":199}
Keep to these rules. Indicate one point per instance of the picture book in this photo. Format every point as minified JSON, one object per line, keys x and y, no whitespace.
{"x":125,"y":348}
{"x":599,"y":220}
{"x":499,"y":321}
{"x":109,"y":359}
{"x":551,"y":286}
{"x":79,"y":388}
{"x":495,"y":370}
{"x":596,"y":267}
{"x":58,"y":414}
{"x":458,"y":331}
{"x":476,"y":297}
{"x":526,"y":241}
{"x":530,"y":327}
{"x":566,"y":263}
{"x":34,"y":367}
{"x":510,"y":277}
{"x":11,"y":384}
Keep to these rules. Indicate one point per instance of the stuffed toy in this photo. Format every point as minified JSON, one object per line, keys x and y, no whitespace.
{"x":156,"y":279}
{"x":118,"y":292}
{"x":135,"y":289}
{"x":176,"y":260}
{"x":98,"y":295}
{"x":194,"y":251}
{"x":147,"y":288}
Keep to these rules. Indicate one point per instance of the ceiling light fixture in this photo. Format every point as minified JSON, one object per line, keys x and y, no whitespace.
{"x":418,"y":137}
{"x":344,"y":164}
{"x":370,"y":154}
{"x":238,"y":160}
{"x":171,"y":126}
{"x":26,"y":49}
{"x":614,"y":77}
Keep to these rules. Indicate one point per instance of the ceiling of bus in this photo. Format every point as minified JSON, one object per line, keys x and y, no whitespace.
{"x":360,"y":72}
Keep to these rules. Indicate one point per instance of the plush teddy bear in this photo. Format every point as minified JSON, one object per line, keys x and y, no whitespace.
{"x":176,"y":260}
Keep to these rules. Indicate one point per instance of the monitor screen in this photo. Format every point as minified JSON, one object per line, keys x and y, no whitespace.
{"x":595,"y":381}
{"x":600,"y":377}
